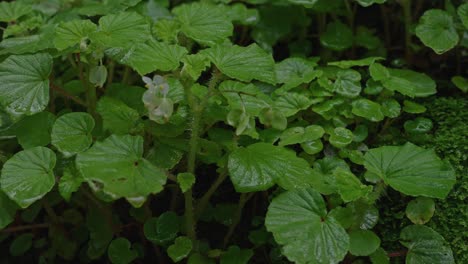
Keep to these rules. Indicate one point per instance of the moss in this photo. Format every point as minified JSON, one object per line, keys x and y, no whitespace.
{"x":450,"y":142}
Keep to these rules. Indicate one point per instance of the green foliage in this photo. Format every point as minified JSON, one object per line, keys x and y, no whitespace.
{"x":223,"y":131}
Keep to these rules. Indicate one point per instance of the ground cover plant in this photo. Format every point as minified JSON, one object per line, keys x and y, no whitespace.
{"x":223,"y":131}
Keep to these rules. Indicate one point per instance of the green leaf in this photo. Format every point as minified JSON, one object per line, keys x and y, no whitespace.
{"x":185,"y":181}
{"x":349,"y":186}
{"x":204,"y":23}
{"x":425,"y":246}
{"x":368,"y":109}
{"x":411,"y":170}
{"x":243,"y":63}
{"x":121,"y":30}
{"x":363,"y":215}
{"x":97,"y":75}
{"x":236,"y":255}
{"x":27,"y":131}
{"x":153,"y":55}
{"x":363,"y":242}
{"x":299,"y":222}
{"x":345,"y":64}
{"x":420,"y":210}
{"x":312,"y":147}
{"x":21,"y":244}
{"x":119,"y":251}
{"x":347,"y":83}
{"x":420,"y":125}
{"x":460,"y":82}
{"x":194,"y":65}
{"x":291,"y":103}
{"x":296,"y":135}
{"x":7,"y":210}
{"x":245,"y":97}
{"x":261,"y":165}
{"x":180,"y":249}
{"x":71,"y":133}
{"x":337,"y":36}
{"x":341,"y":137}
{"x":295,"y":71}
{"x":165,"y":156}
{"x":436,"y":30}
{"x":71,"y":33}
{"x":162,"y":230}
{"x":413,"y":108}
{"x":379,"y":72}
{"x":28,"y":175}
{"x":379,"y":257}
{"x":366,"y":3}
{"x":117,"y":117}
{"x":70,"y":182}
{"x":410,"y":83}
{"x":24,"y":83}
{"x":116,"y":165}
{"x":391,"y":108}
{"x":462,"y":12}
{"x":11,"y":11}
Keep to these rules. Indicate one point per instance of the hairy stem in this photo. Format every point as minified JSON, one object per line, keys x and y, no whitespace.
{"x":24,"y":228}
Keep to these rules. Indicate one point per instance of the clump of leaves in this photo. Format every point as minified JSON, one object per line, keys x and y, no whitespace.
{"x":112,"y":111}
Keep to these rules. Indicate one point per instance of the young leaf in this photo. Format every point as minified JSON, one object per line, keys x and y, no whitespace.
{"x":24,"y":83}
{"x":425,"y":246}
{"x":411,"y":170}
{"x":297,"y":135}
{"x":363,"y":242}
{"x":153,"y":55}
{"x":341,"y":137}
{"x":261,"y":165}
{"x":347,"y":83}
{"x":194,"y":65}
{"x":71,"y":133}
{"x":71,"y":33}
{"x":291,"y":103}
{"x":70,"y":182}
{"x":243,"y":63}
{"x":28,"y":175}
{"x":349,"y":186}
{"x":236,"y":255}
{"x":437,"y":30}
{"x":162,"y":230}
{"x":180,"y":249}
{"x":118,"y":160}
{"x":21,"y":244}
{"x":413,"y":108}
{"x":420,"y":210}
{"x":204,"y":23}
{"x":299,"y":222}
{"x":119,"y":251}
{"x":185,"y":181}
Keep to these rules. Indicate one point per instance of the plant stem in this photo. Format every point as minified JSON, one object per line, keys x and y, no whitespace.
{"x":397,"y":254}
{"x":197,"y":110}
{"x":244,"y":197}
{"x":24,"y":227}
{"x":406,"y":5}
{"x":66,"y":94}
{"x":126,"y":75}
{"x":205,"y":199}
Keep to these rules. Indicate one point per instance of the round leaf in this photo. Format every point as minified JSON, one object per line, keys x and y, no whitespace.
{"x":261,"y":165}
{"x":117,"y":164}
{"x":163,"y":229}
{"x":21,"y":244}
{"x":437,"y":30}
{"x":119,"y":251}
{"x":28,"y":175}
{"x":337,"y":36}
{"x":341,"y":137}
{"x":71,"y":133}
{"x":367,"y":109}
{"x":180,"y":249}
{"x":420,"y":125}
{"x":24,"y":83}
{"x":420,"y":210}
{"x":363,"y":242}
{"x":299,"y":222}
{"x":411,"y":170}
